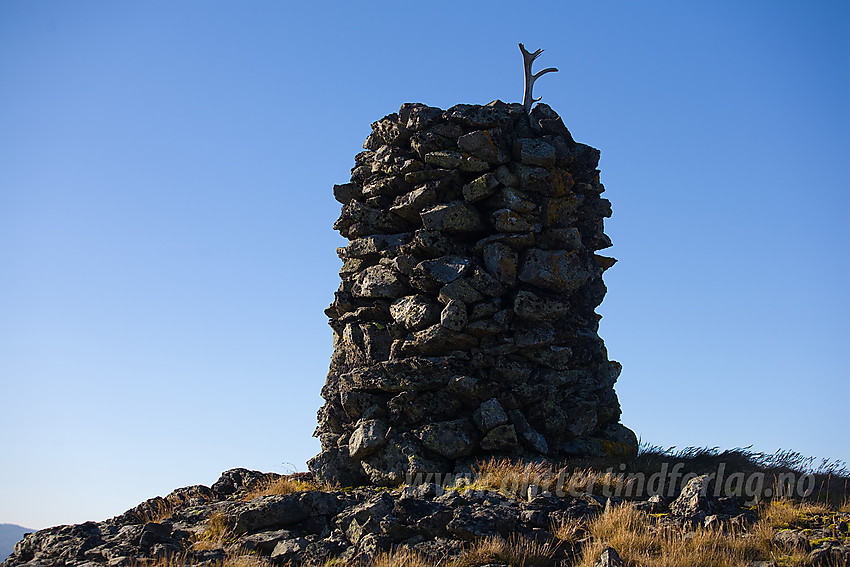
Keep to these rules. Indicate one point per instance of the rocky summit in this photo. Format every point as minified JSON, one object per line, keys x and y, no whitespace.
{"x":464,"y":324}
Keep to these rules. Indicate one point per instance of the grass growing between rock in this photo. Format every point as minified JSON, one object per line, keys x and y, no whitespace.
{"x":514,"y":478}
{"x":277,"y":485}
{"x":640,"y":542}
{"x":217,"y":534}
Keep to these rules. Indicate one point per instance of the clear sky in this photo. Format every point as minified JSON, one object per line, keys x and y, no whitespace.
{"x":166,"y":250}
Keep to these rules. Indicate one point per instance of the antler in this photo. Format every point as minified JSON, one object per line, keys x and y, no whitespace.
{"x":527,"y":59}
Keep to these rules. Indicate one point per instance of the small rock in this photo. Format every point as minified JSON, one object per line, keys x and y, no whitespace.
{"x":501,"y":261}
{"x":501,"y":439}
{"x":368,"y":437}
{"x":696,"y":497}
{"x":415,"y":312}
{"x":609,"y":558}
{"x":489,"y":415}
{"x":454,"y":315}
{"x":791,"y":540}
{"x":480,"y":188}
{"x":531,"y":151}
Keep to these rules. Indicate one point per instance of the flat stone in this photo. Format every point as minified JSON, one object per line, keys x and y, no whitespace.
{"x":532,"y":151}
{"x":496,"y":113}
{"x":480,"y":188}
{"x":446,"y":159}
{"x":376,"y":244}
{"x":461,"y":290}
{"x":529,"y":305}
{"x":378,"y":282}
{"x":555,"y":270}
{"x":409,"y":205}
{"x":451,"y":217}
{"x":445,"y":269}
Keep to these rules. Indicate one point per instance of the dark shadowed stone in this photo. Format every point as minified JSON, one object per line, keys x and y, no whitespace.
{"x":501,"y":262}
{"x":451,"y":439}
{"x":474,"y":522}
{"x":529,"y":305}
{"x":527,"y":434}
{"x":480,"y":188}
{"x":375,"y":244}
{"x":386,"y":131}
{"x":419,"y":117}
{"x":451,"y":217}
{"x":506,"y":220}
{"x":400,"y":459}
{"x":444,"y":158}
{"x":501,"y":439}
{"x":531,"y":151}
{"x":461,"y":290}
{"x":234,"y":480}
{"x":333,"y":465}
{"x":426,"y":141}
{"x":484,"y":145}
{"x":409,"y":205}
{"x":556,"y":270}
{"x":496,"y":113}
{"x":415,"y":312}
{"x":445,"y":269}
{"x":489,"y":415}
{"x":266,"y":512}
{"x":412,"y":373}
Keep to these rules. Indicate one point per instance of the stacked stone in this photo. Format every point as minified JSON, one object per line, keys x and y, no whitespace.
{"x":464,"y":326}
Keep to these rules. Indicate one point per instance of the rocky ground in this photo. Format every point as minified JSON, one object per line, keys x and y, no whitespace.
{"x":210,"y":525}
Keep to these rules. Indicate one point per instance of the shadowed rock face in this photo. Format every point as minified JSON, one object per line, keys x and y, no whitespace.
{"x":464,"y":325}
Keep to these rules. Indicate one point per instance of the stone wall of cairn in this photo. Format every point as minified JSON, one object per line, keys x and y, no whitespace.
{"x":464,"y":326}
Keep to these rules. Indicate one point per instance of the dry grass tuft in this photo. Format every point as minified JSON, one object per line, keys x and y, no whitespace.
{"x":276,"y":485}
{"x":230,"y":560}
{"x":639,"y":542}
{"x":216,"y":535}
{"x":514,"y":478}
{"x":403,"y":557}
{"x":153,"y":510}
{"x":516,"y":550}
{"x":570,"y":530}
{"x":792,"y":514}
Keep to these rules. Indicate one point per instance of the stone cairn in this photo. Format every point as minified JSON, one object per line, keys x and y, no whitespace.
{"x":464,"y":325}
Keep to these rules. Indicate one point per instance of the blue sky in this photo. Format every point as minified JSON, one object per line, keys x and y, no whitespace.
{"x":166,"y":251}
